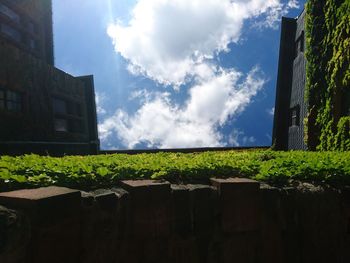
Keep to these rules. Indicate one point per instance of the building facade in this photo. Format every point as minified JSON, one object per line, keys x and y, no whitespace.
{"x":42,"y":109}
{"x":290,"y":106}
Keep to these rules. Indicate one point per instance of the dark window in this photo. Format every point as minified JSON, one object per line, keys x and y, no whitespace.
{"x":32,"y":44}
{"x":78,"y":109}
{"x":66,"y":123}
{"x":346,"y":104}
{"x":59,"y":106}
{"x":2,"y":99}
{"x":74,"y":108}
{"x":294,"y":116}
{"x":14,"y":101}
{"x":9,"y":13}
{"x":299,"y":44}
{"x":11,"y":32}
{"x":10,"y":100}
{"x":31,"y":27}
{"x":76,"y":126}
{"x":61,"y":125}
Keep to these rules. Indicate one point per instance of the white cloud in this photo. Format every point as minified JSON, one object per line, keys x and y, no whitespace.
{"x":217,"y":95}
{"x":167,"y":39}
{"x":238,"y":138}
{"x":271,"y":111}
{"x":233,"y":138}
{"x":100,"y":98}
{"x":293,"y":4}
{"x":248,"y":140}
{"x":176,"y":42}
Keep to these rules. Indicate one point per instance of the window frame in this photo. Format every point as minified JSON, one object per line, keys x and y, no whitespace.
{"x":299,"y":47}
{"x":11,"y":32}
{"x":16,"y":101}
{"x":294,"y":116}
{"x":10,"y":13}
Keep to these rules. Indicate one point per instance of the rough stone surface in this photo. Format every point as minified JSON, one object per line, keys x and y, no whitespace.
{"x":159,"y":222}
{"x":239,"y":204}
{"x":14,"y":236}
{"x":46,"y":205}
{"x":54,"y":218}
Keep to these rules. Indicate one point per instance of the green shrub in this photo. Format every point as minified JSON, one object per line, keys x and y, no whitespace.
{"x":92,"y":172}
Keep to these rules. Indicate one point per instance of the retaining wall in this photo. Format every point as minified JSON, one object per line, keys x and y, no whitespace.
{"x":232,"y":220}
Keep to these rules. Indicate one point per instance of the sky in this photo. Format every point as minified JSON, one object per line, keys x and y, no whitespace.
{"x":176,"y":73}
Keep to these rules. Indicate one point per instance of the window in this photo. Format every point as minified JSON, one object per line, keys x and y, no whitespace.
{"x":10,"y":101}
{"x":9,"y":13}
{"x":74,"y":109}
{"x":32,"y":44}
{"x":64,"y":122}
{"x":346,"y":104}
{"x":2,"y":99}
{"x":59,"y":106}
{"x":76,"y":126}
{"x":61,"y":125}
{"x":299,"y":44}
{"x":294,"y":119}
{"x":31,"y":27}
{"x":14,"y":101}
{"x":11,"y":32}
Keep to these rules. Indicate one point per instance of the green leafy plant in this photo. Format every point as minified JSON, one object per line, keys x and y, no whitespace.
{"x":327,"y":73}
{"x":91,"y":172}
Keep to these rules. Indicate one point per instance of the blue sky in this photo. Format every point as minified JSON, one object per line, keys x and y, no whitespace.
{"x":176,"y":73}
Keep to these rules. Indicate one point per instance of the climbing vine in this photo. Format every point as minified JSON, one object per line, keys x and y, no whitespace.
{"x":328,"y":74}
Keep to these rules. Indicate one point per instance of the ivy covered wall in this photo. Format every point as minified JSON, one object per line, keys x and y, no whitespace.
{"x":328,"y":74}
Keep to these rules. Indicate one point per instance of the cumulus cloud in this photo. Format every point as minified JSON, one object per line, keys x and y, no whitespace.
{"x":100,"y":98}
{"x":166,"y":39}
{"x":218,"y":95}
{"x":271,"y":111}
{"x":176,"y":42}
{"x":293,"y":4}
{"x":238,"y":138}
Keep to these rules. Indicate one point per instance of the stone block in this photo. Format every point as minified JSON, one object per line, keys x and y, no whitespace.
{"x":44,"y":205}
{"x":271,"y":236}
{"x":239,"y":204}
{"x":183,"y":251}
{"x":14,"y":236}
{"x":149,"y":208}
{"x":103,"y":225}
{"x":241,"y":248}
{"x":202,"y":201}
{"x":54,"y":216}
{"x":106,"y":199}
{"x":180,"y":211}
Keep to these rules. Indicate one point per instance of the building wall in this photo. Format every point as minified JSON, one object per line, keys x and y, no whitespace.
{"x":290,"y":108}
{"x":297,"y":102}
{"x":27,"y":24}
{"x":284,"y":80}
{"x":50,"y":107}
{"x":42,"y":109}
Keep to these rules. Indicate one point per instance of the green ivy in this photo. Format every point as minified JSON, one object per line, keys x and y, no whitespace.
{"x":91,"y":172}
{"x":328,"y":73}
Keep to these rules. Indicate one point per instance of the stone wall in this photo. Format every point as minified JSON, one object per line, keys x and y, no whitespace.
{"x":232,"y":220}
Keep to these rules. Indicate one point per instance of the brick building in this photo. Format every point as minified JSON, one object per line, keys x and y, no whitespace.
{"x":290,"y":106}
{"x":42,"y":109}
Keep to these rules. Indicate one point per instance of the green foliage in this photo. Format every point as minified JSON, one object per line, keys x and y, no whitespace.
{"x":92,"y":172}
{"x":327,"y":73}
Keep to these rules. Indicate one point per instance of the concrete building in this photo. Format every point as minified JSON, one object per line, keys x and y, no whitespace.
{"x":290,"y":106}
{"x":42,"y":109}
